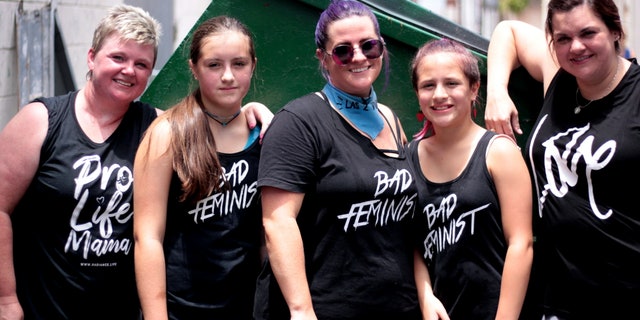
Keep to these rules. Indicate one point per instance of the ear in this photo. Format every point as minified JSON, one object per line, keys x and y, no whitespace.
{"x":474,"y":88}
{"x":320,"y":54}
{"x":91,"y":56}
{"x":192,"y":68}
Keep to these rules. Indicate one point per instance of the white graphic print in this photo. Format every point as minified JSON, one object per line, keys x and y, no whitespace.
{"x":383,"y":210}
{"x":566,"y":164}
{"x":450,"y":230}
{"x":239,"y":196}
{"x":108,"y":211}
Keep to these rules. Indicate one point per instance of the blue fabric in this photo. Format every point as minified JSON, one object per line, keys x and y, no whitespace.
{"x":361,"y":112}
{"x":253,"y":135}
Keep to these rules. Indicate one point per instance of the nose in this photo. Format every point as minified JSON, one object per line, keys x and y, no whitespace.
{"x":357,"y":54}
{"x":576,"y":44}
{"x":440,"y":92}
{"x":128,"y":68}
{"x":227,"y":75}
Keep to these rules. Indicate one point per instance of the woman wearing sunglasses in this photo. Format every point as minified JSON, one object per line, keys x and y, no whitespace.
{"x":337,"y":190}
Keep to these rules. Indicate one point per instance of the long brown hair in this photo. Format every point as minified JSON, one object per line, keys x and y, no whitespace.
{"x":195,"y":158}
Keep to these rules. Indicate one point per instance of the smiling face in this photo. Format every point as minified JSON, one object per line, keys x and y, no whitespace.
{"x":357,"y":76}
{"x":583,"y":44}
{"x":224,"y":71}
{"x":444,"y":92}
{"x":121,"y":69}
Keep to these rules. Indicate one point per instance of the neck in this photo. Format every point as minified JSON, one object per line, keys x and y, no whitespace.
{"x":222,"y":120}
{"x":600,"y":89}
{"x":452,"y":135}
{"x":102,"y":109}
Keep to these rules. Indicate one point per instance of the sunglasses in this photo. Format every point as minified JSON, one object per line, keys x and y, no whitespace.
{"x":343,"y":54}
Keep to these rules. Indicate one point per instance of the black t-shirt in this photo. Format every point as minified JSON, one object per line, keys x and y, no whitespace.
{"x":355,"y":216}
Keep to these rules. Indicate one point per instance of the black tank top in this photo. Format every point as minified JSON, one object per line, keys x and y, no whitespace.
{"x":459,"y":228}
{"x":212,"y":245}
{"x":585,"y":170}
{"x":73,"y":227}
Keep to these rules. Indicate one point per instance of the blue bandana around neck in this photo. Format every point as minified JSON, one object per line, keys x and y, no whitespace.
{"x":361,"y":112}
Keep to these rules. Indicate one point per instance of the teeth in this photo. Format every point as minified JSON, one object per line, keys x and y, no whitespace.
{"x":360,"y":70}
{"x":124,"y":83}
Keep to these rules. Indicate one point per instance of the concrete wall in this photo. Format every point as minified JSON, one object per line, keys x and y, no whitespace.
{"x":8,"y":62}
{"x":77,"y":19}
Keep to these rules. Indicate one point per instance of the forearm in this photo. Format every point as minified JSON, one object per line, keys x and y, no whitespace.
{"x":502,"y":57}
{"x":430,"y":305}
{"x":7,"y":274}
{"x":151,"y":278}
{"x":515,"y":280}
{"x":286,"y":255}
{"x":423,"y":281}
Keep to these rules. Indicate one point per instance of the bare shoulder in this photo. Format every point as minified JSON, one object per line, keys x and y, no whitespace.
{"x":505,"y":159}
{"x":21,"y":141}
{"x":34,"y":112}
{"x":27,"y":128}
{"x":387,"y":112}
{"x":390,"y":115}
{"x":155,"y":146}
{"x":503,"y":147}
{"x":160,"y":128}
{"x":385,"y":109}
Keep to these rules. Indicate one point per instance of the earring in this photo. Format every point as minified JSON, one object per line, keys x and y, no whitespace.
{"x":474,"y":108}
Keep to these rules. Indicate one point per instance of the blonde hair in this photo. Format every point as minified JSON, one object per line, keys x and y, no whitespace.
{"x":130,"y":23}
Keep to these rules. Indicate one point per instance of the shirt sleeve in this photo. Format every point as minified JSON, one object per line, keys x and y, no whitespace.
{"x":289,"y":153}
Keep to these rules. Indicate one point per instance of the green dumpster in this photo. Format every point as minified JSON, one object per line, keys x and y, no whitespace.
{"x":287,"y":67}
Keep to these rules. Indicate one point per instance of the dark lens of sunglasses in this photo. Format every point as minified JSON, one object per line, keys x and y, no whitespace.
{"x":371,"y":49}
{"x":342,"y":54}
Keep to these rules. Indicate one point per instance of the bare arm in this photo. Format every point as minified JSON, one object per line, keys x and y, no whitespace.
{"x":513,"y":44}
{"x":511,"y":177}
{"x":20,"y":142}
{"x":431,"y":307}
{"x":258,"y":112}
{"x":152,"y":176}
{"x":284,"y":246}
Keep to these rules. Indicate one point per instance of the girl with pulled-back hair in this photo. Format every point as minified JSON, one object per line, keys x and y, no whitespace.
{"x":473,"y":185}
{"x":197,"y":223}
